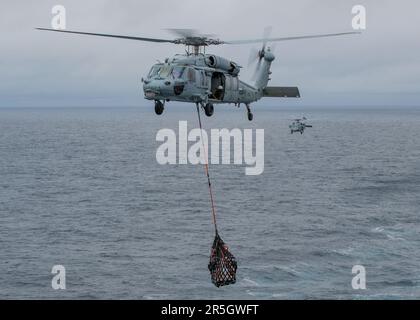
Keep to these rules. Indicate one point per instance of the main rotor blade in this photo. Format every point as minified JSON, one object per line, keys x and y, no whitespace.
{"x":290,"y":38}
{"x":110,"y":35}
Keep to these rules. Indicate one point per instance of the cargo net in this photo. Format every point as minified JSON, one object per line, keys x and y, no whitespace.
{"x":222,"y":264}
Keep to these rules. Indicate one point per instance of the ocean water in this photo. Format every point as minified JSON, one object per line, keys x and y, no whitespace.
{"x":81,"y":187}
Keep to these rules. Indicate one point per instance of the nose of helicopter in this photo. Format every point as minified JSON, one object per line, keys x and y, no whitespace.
{"x":158,"y":88}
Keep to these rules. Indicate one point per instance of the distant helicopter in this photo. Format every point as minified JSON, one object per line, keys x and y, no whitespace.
{"x":206,"y":79}
{"x":299,"y":125}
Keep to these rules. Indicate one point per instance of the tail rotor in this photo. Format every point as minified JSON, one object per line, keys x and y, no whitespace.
{"x":258,"y":55}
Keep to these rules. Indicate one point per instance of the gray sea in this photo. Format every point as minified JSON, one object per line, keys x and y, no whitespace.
{"x":81,"y":187}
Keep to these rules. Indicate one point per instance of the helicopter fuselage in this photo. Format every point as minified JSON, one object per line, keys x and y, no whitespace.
{"x":298,"y":126}
{"x":199,"y":79}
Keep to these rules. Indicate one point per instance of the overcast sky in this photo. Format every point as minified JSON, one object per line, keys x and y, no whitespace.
{"x":379,"y":67}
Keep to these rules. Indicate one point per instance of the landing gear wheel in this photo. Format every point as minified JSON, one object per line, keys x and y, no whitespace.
{"x":209,"y":109}
{"x":250,"y":116}
{"x":159,"y":107}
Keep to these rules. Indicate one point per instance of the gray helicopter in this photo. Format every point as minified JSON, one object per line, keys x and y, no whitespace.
{"x":299,"y":125}
{"x":207,"y":79}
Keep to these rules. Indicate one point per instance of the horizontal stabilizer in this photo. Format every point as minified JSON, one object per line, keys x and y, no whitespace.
{"x":282,"y":92}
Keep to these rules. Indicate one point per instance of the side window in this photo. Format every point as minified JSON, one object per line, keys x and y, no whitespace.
{"x":178,"y":72}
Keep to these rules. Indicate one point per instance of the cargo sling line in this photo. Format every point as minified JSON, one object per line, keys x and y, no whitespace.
{"x":206,"y":169}
{"x":222,"y":265}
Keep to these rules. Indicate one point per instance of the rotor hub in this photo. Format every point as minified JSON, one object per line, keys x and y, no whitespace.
{"x":198,"y":41}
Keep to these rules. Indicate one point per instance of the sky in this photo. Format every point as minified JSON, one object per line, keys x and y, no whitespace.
{"x":380,"y":67}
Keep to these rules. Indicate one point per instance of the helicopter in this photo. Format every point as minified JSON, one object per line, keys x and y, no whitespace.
{"x":207,"y":79}
{"x":299,"y":125}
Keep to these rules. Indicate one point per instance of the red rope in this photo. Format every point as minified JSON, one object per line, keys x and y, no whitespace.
{"x":206,"y":170}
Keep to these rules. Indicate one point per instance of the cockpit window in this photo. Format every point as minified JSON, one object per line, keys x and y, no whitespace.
{"x":178,"y":72}
{"x":154,"y":71}
{"x":165,"y":71}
